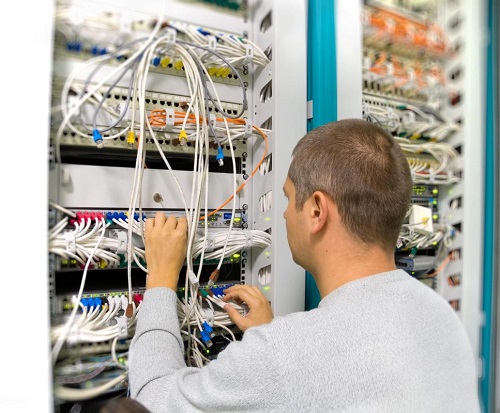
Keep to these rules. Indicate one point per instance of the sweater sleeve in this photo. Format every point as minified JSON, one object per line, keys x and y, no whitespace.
{"x":242,"y":378}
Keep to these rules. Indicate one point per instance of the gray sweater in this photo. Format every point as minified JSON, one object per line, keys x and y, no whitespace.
{"x":383,"y":343}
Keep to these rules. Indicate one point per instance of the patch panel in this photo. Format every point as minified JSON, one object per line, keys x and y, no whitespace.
{"x":108,"y":41}
{"x":220,"y":219}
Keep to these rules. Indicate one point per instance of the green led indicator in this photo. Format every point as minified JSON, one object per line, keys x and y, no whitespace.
{"x":266,"y":288}
{"x":435,"y":191}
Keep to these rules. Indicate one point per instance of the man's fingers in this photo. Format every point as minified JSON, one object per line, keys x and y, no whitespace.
{"x":182,"y":225}
{"x":236,"y":317}
{"x":171,"y":222}
{"x":243,"y":295}
{"x":150,"y":223}
{"x":160,"y":219}
{"x":242,"y":287}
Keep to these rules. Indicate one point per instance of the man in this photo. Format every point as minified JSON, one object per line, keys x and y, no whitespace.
{"x":380,"y":341}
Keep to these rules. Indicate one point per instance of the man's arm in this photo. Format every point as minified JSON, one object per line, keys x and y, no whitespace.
{"x":159,"y":377}
{"x":244,"y":376}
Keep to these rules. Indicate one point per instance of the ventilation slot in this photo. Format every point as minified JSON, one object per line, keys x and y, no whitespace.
{"x":267,"y":124}
{"x":266,"y":165}
{"x":264,"y":275}
{"x":266,"y":92}
{"x":266,"y":201}
{"x":266,"y":23}
{"x":456,"y":203}
{"x":269,"y":52}
{"x":454,"y":280}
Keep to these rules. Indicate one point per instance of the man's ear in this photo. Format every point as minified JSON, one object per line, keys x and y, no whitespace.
{"x":318,"y":210}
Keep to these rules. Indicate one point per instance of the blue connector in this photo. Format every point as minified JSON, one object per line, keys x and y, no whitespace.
{"x":85,"y":302}
{"x":156,"y":61}
{"x":205,"y":337}
{"x":208,"y":329}
{"x":203,"y":32}
{"x":220,"y":156}
{"x":98,"y":139}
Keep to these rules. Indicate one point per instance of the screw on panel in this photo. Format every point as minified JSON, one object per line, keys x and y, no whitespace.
{"x":157,"y":197}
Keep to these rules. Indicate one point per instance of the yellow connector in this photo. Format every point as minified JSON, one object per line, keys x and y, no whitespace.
{"x":131,"y":138}
{"x":212,"y":70}
{"x":179,"y":65}
{"x":183,"y":137}
{"x":103,"y":264}
{"x":220,"y":71}
{"x":165,"y":61}
{"x":226,"y":72}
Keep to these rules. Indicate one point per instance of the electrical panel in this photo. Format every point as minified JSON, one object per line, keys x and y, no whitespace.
{"x":177,"y":107}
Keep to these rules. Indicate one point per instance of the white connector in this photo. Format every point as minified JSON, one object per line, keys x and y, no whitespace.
{"x":421,"y":220}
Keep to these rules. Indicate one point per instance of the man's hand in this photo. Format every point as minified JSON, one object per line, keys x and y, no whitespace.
{"x":166,"y":244}
{"x":260,"y":310}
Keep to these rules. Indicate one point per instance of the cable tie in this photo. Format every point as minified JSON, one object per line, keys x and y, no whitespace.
{"x":248,"y":54}
{"x":73,"y":335}
{"x":170,"y":38}
{"x":169,"y":119}
{"x":122,"y":324}
{"x":212,"y":43}
{"x":249,"y":238}
{"x":209,"y":315}
{"x":432,"y":177}
{"x":213,"y":120}
{"x":248,"y":128}
{"x":209,"y":242}
{"x":192,"y":277}
{"x":121,"y":237}
{"x":70,"y":241}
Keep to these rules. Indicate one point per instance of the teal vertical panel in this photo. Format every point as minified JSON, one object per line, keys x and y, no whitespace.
{"x":321,"y":86}
{"x":487,"y":382}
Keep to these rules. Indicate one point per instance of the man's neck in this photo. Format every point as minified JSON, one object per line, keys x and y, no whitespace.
{"x":335,"y":270}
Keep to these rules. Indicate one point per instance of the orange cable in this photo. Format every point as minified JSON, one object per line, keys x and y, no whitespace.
{"x":251,"y":175}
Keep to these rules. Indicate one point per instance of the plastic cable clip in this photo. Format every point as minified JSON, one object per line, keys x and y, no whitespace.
{"x":432,"y":177}
{"x":192,"y":277}
{"x":248,"y":54}
{"x":209,"y":242}
{"x":73,"y":335}
{"x":121,"y":322}
{"x":209,"y":315}
{"x":213,"y":120}
{"x":121,"y":237}
{"x":249,"y":238}
{"x":170,"y":38}
{"x":169,"y":119}
{"x":70,"y":241}
{"x":248,"y":129}
{"x":212,"y":43}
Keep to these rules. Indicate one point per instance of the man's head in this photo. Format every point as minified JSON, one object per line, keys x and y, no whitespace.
{"x":359,"y":167}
